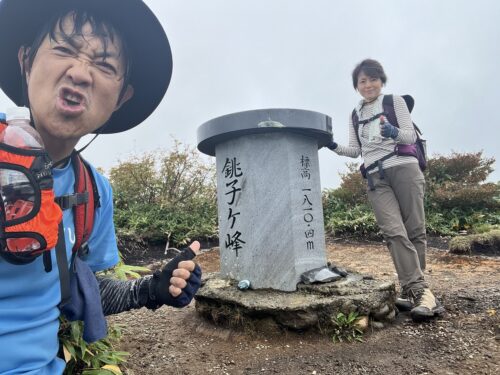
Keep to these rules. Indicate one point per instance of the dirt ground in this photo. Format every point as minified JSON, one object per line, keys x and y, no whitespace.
{"x":464,"y":341}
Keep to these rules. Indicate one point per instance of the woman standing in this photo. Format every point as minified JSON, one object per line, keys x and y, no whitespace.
{"x":395,"y":185}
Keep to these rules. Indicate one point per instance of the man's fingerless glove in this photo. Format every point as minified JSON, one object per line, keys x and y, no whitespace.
{"x":158,"y":288}
{"x":388,"y":130}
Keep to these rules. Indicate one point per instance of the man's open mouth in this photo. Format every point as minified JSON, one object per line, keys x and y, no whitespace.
{"x":72,"y":98}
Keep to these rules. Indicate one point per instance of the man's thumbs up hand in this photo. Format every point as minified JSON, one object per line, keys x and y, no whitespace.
{"x":179,"y":280}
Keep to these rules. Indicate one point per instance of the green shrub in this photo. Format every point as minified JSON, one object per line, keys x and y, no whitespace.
{"x":358,"y":220}
{"x":457,"y":198}
{"x":166,"y":196}
{"x":449,"y":222}
{"x":346,"y":210}
{"x":100,"y":357}
{"x":466,"y":168}
{"x":483,"y":228}
{"x":345,"y":327}
{"x":352,"y":190}
{"x":156,"y":224}
{"x":451,"y":195}
{"x":438,"y":223}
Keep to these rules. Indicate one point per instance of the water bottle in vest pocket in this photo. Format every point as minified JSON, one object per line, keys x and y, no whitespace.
{"x":29,"y":216}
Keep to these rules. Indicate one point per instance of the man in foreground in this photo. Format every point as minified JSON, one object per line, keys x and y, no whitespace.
{"x":82,"y":67}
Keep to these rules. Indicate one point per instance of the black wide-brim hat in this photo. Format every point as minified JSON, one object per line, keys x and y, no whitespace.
{"x":148,"y":49}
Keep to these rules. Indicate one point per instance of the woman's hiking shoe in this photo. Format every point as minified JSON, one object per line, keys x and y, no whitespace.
{"x":426,"y":306}
{"x":403,"y":302}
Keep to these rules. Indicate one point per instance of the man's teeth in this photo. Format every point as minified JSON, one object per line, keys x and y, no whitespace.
{"x":72,"y":99}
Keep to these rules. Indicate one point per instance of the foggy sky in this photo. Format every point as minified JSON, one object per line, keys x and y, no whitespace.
{"x":237,"y":55}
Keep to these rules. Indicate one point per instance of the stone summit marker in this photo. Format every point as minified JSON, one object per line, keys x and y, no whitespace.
{"x":271,"y":229}
{"x":269,"y":194}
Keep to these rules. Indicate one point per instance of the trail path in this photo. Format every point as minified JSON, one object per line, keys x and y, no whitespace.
{"x":465,"y":341}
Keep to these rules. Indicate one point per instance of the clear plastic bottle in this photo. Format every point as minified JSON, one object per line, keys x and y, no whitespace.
{"x":19,"y":133}
{"x":374,"y":135}
{"x":16,"y":190}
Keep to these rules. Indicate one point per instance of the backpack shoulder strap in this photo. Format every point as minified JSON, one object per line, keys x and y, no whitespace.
{"x":388,"y":111}
{"x":84,"y":212}
{"x":84,"y":202}
{"x":388,"y":107}
{"x":355,"y":124}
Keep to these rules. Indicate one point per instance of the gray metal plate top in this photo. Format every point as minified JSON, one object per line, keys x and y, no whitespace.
{"x":308,"y":123}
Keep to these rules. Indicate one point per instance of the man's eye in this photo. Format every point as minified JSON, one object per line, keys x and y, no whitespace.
{"x":63,"y":50}
{"x":106,"y":67}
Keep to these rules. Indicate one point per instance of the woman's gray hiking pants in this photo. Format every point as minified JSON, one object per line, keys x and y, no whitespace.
{"x":398,"y":203}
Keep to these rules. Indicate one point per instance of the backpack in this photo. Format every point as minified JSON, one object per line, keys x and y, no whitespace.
{"x":417,"y":150}
{"x":83,"y":202}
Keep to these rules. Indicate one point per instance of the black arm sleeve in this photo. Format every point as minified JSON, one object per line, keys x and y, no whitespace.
{"x":149,"y":291}
{"x":123,"y":295}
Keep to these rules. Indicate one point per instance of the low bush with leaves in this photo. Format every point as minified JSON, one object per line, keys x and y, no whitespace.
{"x":98,"y":358}
{"x":101,"y":357}
{"x":345,"y":327}
{"x":458,"y":198}
{"x":357,"y":220}
{"x":346,"y":209}
{"x":166,"y":196}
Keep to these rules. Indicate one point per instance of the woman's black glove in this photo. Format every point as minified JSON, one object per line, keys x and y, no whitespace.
{"x":387,"y":130}
{"x":332,"y":145}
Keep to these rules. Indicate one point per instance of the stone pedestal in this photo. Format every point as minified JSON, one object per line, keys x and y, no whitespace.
{"x":269,"y":194}
{"x":311,"y":307}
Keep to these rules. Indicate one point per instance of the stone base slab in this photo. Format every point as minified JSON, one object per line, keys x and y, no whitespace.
{"x":310,"y":307}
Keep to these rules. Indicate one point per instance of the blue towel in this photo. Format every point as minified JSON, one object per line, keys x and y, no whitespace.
{"x":85,"y":303}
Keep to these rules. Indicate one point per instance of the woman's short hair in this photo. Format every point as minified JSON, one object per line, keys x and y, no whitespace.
{"x":372,"y":68}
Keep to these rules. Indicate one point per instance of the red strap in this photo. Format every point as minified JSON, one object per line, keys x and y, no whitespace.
{"x":83,"y":213}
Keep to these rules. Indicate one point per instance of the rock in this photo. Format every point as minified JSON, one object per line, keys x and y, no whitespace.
{"x":267,"y":325}
{"x":310,"y":307}
{"x":391,"y":315}
{"x":362,"y":323}
{"x":380,"y":314}
{"x":298,"y":320}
